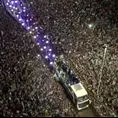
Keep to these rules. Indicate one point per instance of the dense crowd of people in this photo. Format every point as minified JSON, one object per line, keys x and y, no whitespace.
{"x":79,"y":29}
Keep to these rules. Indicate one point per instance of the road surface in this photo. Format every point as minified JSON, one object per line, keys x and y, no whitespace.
{"x":89,"y":112}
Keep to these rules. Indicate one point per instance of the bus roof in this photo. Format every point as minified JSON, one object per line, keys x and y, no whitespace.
{"x":79,"y":90}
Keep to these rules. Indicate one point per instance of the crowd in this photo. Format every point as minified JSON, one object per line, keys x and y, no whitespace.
{"x":79,"y":29}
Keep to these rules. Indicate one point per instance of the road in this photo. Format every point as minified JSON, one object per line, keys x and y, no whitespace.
{"x":89,"y":112}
